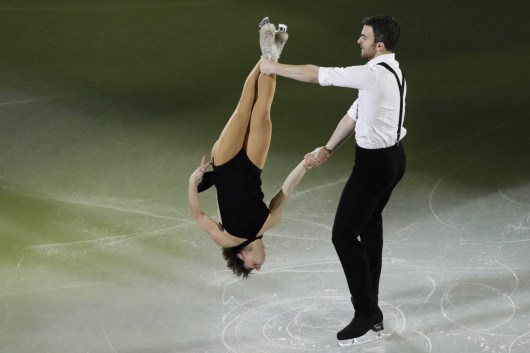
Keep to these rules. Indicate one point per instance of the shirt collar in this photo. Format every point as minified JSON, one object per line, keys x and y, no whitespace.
{"x":382,"y":58}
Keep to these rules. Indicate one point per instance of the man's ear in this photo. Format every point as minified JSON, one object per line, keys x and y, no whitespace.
{"x":241,"y":256}
{"x":381,"y":46}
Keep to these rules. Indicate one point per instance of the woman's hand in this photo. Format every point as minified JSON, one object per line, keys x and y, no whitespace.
{"x":196,"y":176}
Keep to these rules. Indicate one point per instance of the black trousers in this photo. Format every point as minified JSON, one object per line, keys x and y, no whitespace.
{"x":358,"y":227}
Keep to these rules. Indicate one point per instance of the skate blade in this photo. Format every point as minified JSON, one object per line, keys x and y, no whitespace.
{"x":282,"y":28}
{"x":264,"y":22}
{"x":370,"y":336}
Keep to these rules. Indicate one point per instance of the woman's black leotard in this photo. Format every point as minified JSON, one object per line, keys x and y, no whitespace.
{"x":238,"y":184}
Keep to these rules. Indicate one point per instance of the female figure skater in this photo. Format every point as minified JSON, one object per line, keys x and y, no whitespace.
{"x":238,"y":157}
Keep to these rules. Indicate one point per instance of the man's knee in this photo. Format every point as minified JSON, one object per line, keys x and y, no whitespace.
{"x":341,"y":237}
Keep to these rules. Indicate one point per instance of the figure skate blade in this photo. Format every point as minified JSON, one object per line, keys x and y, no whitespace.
{"x":370,"y":336}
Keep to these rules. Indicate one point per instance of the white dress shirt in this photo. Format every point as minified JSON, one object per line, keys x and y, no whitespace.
{"x":376,"y":110}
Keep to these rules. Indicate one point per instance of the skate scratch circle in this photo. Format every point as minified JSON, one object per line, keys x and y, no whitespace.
{"x":519,"y":340}
{"x":268,"y":324}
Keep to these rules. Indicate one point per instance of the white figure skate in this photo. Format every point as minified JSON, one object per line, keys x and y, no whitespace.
{"x":271,"y":40}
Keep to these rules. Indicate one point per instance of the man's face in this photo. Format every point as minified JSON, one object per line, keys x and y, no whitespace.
{"x":366,"y":41}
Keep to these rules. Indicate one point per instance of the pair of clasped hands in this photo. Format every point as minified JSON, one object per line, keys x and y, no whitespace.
{"x":317,"y":157}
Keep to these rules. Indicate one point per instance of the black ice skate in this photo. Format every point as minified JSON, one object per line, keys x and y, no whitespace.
{"x":362,"y":330}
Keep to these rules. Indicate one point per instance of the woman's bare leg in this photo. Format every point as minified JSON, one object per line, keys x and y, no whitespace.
{"x":233,"y":136}
{"x":260,"y":131}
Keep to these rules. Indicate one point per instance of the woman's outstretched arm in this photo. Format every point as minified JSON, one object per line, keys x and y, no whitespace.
{"x":279,"y":200}
{"x":294,"y":178}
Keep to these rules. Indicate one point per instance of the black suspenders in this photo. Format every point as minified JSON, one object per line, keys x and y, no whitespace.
{"x":401,"y":93}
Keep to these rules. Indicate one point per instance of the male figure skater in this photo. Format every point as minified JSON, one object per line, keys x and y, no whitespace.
{"x":376,"y":119}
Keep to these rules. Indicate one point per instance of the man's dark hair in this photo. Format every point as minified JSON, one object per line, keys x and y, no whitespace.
{"x":386,"y":30}
{"x":235,"y":263}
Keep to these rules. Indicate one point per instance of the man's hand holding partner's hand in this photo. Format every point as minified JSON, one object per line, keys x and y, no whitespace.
{"x":316,"y":158}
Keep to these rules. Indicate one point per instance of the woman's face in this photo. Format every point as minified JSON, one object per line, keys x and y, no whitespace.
{"x":253,"y":258}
